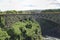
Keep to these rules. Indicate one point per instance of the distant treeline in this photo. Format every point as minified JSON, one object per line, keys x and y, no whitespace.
{"x":10,"y":12}
{"x":28,"y":11}
{"x":51,"y":10}
{"x":19,"y":12}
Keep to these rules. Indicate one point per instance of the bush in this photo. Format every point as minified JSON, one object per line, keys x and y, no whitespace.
{"x":3,"y":35}
{"x":27,"y":30}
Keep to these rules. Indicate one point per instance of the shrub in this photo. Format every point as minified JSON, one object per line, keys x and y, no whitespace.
{"x":27,"y":30}
{"x":3,"y":35}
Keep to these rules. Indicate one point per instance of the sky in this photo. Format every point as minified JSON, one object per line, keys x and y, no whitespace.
{"x":29,"y":4}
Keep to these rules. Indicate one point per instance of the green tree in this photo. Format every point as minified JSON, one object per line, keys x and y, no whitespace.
{"x":27,"y":30}
{"x":3,"y":35}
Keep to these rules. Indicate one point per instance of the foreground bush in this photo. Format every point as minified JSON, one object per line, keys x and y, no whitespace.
{"x":4,"y":35}
{"x":27,"y":30}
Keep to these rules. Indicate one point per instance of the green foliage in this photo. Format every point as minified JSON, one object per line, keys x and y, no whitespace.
{"x":27,"y":30}
{"x":2,"y":20}
{"x":10,"y":12}
{"x":3,"y":35}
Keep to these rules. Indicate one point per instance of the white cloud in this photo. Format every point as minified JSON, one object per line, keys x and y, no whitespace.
{"x":28,"y":4}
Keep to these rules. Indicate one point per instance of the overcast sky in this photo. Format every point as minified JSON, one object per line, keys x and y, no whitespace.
{"x":28,"y":4}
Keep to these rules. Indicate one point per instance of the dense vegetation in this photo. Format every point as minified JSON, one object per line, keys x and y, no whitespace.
{"x":22,"y":30}
{"x":4,"y":35}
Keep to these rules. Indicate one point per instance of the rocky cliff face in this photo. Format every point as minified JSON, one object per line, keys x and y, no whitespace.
{"x":50,"y":30}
